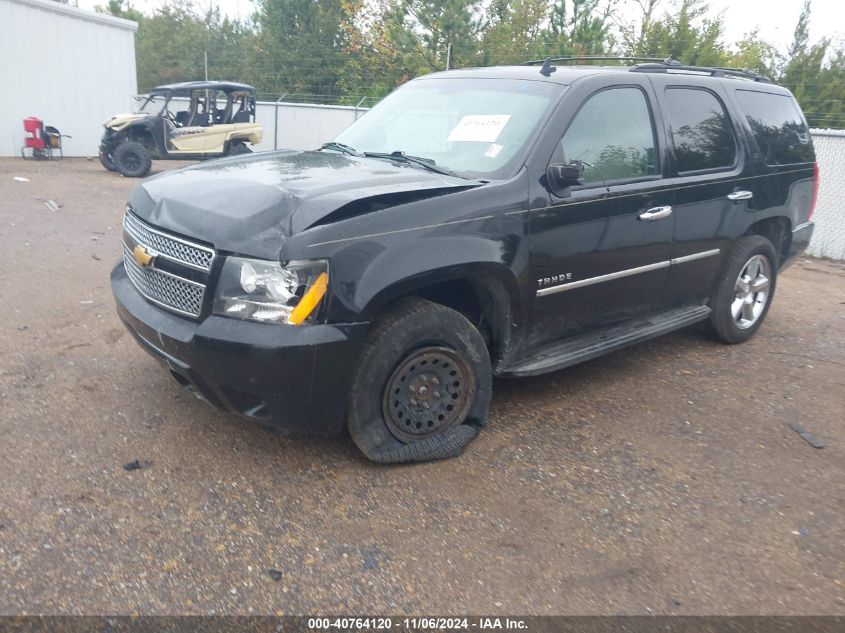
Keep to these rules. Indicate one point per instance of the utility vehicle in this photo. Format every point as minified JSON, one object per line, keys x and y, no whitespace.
{"x":192,"y":120}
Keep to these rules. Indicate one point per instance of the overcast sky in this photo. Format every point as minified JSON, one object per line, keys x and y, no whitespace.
{"x":775,"y":18}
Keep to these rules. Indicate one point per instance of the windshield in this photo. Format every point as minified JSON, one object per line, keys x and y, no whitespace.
{"x":476,"y":127}
{"x":153,"y":104}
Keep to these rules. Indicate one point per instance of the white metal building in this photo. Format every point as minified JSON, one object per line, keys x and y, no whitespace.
{"x":69,"y":67}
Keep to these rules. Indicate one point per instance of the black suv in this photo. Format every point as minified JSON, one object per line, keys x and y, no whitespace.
{"x":505,"y":221}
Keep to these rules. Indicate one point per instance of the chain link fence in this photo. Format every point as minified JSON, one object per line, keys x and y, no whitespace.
{"x":829,"y":235}
{"x":303,"y":121}
{"x":298,"y":120}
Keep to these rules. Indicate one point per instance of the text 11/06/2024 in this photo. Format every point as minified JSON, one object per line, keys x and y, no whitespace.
{"x":417,"y":624}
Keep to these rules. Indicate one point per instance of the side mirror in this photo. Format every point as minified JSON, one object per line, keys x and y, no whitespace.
{"x":562,"y":176}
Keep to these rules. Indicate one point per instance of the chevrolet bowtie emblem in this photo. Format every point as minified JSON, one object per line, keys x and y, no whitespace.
{"x":141,"y":256}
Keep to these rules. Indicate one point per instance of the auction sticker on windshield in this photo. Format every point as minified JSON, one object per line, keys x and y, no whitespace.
{"x":480,"y":128}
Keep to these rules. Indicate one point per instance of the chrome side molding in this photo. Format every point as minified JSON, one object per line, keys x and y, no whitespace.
{"x":542,"y":292}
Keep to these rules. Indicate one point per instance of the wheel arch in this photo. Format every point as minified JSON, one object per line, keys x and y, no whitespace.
{"x":252,"y":134}
{"x":485,"y":293}
{"x":778,"y":230}
{"x":142,"y":133}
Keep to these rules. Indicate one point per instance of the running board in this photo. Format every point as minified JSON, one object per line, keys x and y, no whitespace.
{"x":594,"y":344}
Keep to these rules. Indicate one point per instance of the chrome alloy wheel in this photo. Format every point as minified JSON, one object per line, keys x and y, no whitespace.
{"x":751,"y":291}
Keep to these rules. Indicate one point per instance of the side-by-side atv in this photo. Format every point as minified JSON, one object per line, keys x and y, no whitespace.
{"x":192,"y":120}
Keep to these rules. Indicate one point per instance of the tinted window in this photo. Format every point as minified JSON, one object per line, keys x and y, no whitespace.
{"x":778,"y":126}
{"x":701,"y":131}
{"x":612,"y":136}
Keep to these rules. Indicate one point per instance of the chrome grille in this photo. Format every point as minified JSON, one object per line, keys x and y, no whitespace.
{"x":169,"y":246}
{"x":169,"y":291}
{"x":181,"y":291}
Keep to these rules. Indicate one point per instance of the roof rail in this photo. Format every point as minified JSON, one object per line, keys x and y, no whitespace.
{"x":671,"y":65}
{"x":591,"y":58}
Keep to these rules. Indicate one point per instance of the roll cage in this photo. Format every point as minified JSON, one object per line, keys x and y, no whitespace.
{"x":205,"y":103}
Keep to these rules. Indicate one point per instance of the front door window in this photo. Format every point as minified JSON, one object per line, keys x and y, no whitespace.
{"x":612,"y":136}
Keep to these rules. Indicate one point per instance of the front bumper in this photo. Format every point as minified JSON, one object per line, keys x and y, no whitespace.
{"x":108,"y":142}
{"x":293,"y":377}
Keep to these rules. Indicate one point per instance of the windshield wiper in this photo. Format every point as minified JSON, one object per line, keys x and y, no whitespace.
{"x":402,"y":157}
{"x":340,"y":147}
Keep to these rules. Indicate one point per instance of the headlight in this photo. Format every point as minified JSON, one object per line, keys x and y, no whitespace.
{"x":266,"y":291}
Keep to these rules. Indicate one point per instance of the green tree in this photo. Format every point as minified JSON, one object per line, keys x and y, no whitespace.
{"x":579,"y":27}
{"x":300,"y":46}
{"x":825,"y":107}
{"x":171,"y":44}
{"x":373,"y":63}
{"x":346,"y":49}
{"x":529,"y":29}
{"x":754,"y":53}
{"x":229,"y":45}
{"x":687,"y":33}
{"x":804,"y":71}
{"x":429,"y":34}
{"x":514,"y":32}
{"x":121,"y":9}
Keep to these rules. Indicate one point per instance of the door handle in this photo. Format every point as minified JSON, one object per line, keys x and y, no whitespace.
{"x":655,"y":213}
{"x":740,"y":195}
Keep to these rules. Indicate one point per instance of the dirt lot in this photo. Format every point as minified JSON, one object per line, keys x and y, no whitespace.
{"x":661,"y":479}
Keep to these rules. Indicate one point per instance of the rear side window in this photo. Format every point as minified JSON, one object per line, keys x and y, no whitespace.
{"x":701,"y":131}
{"x":612,"y":135}
{"x":778,"y":126}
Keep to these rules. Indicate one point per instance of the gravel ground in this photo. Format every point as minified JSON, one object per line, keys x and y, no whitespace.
{"x":661,"y":479}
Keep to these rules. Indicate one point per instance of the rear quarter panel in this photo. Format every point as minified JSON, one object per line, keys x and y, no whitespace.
{"x":782,"y":190}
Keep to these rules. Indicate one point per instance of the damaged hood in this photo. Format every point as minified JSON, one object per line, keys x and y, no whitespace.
{"x":248,"y":205}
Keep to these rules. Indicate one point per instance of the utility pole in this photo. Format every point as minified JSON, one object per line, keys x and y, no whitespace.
{"x":207,"y":106}
{"x":205,"y":52}
{"x":449,"y":56}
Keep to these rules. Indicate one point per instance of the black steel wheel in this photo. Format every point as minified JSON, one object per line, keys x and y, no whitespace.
{"x":422,"y":384}
{"x":429,"y":392}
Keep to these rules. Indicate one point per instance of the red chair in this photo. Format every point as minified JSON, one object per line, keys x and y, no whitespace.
{"x":41,"y":140}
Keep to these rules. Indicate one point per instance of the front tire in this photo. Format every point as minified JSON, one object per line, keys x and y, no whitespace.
{"x":745,"y":290}
{"x":421,"y":387}
{"x":132,"y":159}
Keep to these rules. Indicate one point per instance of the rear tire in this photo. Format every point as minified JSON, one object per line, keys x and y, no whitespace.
{"x":238,"y":147}
{"x":745,"y":290}
{"x":132,"y":159}
{"x":421,"y":387}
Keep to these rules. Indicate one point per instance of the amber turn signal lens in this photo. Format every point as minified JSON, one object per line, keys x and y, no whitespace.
{"x":310,"y":300}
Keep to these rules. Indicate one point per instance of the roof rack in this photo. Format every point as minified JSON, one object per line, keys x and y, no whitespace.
{"x":671,"y":65}
{"x":590,"y":58}
{"x":547,"y":69}
{"x":651,"y":65}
